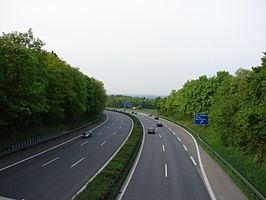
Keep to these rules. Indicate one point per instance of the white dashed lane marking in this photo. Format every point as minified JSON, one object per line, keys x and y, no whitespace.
{"x":76,"y":163}
{"x":192,"y":159}
{"x":50,"y":161}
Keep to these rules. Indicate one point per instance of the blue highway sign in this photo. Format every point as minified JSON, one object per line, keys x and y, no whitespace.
{"x":201,"y":119}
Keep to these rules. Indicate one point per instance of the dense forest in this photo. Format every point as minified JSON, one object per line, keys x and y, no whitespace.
{"x":116,"y":101}
{"x":236,"y":105}
{"x":39,"y":88}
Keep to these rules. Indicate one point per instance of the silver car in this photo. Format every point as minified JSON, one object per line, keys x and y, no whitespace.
{"x":86,"y":134}
{"x":151,"y":130}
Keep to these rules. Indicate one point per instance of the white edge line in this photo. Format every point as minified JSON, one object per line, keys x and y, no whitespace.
{"x":50,"y":161}
{"x":165,"y":170}
{"x":185,"y":147}
{"x":81,"y":189}
{"x":209,"y":188}
{"x":30,"y":157}
{"x":76,"y":163}
{"x":194,"y":162}
{"x":132,"y":170}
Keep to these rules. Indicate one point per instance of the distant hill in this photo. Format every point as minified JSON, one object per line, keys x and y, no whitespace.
{"x":147,"y":96}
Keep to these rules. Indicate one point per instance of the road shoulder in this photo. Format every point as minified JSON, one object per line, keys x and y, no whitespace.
{"x":223,"y":186}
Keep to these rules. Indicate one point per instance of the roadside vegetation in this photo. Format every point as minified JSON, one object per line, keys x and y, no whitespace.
{"x":236,"y":105}
{"x":40,"y":91}
{"x":107,"y":184}
{"x":116,"y":101}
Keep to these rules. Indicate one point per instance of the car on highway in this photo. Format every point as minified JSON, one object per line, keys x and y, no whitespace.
{"x":86,"y":134}
{"x":156,"y":117}
{"x":151,"y":130}
{"x":159,"y":124}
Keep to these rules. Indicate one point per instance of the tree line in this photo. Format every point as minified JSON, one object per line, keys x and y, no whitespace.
{"x":236,"y":105}
{"x":39,"y":88}
{"x":116,"y":101}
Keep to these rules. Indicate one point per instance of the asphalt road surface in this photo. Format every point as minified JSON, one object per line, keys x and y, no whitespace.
{"x":166,"y":169}
{"x":60,"y":172}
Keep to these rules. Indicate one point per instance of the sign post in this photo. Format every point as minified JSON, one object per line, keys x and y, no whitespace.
{"x":201,"y":118}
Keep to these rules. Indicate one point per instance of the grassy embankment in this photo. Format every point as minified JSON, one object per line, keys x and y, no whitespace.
{"x":7,"y":139}
{"x":246,"y":164}
{"x":106,"y":185}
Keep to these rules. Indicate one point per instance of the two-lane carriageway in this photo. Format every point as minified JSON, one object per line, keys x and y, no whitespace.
{"x":166,"y":169}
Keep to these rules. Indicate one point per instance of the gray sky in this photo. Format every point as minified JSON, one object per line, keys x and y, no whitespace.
{"x":145,"y":46}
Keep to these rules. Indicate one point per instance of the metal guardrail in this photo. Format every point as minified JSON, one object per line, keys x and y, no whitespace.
{"x":23,"y":144}
{"x":225,"y":162}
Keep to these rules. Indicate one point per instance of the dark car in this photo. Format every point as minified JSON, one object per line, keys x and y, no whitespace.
{"x":156,"y":117}
{"x":86,"y":134}
{"x":159,"y":124}
{"x":151,"y":130}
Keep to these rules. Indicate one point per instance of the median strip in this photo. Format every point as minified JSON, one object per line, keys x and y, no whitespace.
{"x":107,"y":182}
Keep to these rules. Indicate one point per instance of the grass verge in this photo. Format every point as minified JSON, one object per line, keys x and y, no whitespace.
{"x":106,"y":185}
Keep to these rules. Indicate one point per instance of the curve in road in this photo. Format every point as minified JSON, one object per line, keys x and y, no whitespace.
{"x":60,"y":171}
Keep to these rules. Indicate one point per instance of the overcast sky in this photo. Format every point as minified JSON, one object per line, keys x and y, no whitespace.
{"x":145,"y":46}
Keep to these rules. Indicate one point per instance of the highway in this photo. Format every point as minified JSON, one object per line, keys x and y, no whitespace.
{"x":167,"y":168}
{"x":60,"y":171}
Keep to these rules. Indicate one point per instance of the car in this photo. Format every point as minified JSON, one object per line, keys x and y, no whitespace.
{"x":159,"y":124}
{"x":86,"y":134}
{"x":156,"y":117}
{"x":151,"y":130}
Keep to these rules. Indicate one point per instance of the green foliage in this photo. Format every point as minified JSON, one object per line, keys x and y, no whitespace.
{"x":236,"y":107}
{"x":37,"y":88}
{"x":116,"y":101}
